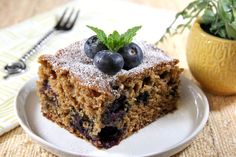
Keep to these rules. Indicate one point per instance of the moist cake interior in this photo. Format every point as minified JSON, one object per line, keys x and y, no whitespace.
{"x":105,"y":109}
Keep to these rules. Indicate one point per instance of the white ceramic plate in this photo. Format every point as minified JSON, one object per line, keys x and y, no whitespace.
{"x":164,"y":137}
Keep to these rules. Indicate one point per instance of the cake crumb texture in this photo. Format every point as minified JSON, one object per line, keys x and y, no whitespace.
{"x":106,"y":109}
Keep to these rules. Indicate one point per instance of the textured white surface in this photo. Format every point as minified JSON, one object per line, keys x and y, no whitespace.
{"x":164,"y":137}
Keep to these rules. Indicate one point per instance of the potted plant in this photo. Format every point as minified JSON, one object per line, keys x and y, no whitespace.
{"x":211,"y":46}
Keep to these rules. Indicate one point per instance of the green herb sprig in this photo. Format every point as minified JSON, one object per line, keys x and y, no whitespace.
{"x":218,"y":15}
{"x":115,"y":40}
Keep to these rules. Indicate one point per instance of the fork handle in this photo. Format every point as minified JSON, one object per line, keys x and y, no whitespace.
{"x":34,"y":49}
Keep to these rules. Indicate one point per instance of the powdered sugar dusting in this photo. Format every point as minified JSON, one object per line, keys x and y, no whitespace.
{"x":74,"y":60}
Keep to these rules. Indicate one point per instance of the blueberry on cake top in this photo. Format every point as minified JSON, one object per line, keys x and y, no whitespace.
{"x":101,"y":104}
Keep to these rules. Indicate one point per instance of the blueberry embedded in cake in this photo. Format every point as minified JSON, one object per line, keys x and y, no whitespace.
{"x":106,"y":88}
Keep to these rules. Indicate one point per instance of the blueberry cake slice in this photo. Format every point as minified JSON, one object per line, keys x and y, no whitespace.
{"x":103,"y":108}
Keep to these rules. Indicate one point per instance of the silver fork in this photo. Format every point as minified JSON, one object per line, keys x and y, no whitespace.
{"x":63,"y":24}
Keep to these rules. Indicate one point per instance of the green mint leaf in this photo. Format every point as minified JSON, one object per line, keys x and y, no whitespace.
{"x":100,"y":34}
{"x":115,"y":41}
{"x":127,"y":37}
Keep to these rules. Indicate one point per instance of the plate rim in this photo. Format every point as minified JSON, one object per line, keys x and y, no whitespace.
{"x":166,"y":152}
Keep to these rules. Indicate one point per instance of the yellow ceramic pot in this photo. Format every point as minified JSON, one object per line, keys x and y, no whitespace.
{"x":212,"y":61}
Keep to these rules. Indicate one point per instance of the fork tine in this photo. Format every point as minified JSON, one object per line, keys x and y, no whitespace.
{"x":68,"y":19}
{"x":73,"y":22}
{"x":60,"y":20}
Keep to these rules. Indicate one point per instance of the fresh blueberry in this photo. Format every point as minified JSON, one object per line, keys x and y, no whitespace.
{"x":92,"y":46}
{"x":132,"y":54}
{"x":115,"y":111}
{"x":109,"y":136}
{"x":142,"y":98}
{"x":108,"y":62}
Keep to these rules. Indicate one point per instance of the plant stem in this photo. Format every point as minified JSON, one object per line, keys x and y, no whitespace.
{"x":190,"y":13}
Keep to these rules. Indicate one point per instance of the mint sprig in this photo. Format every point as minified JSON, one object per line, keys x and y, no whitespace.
{"x":115,"y":41}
